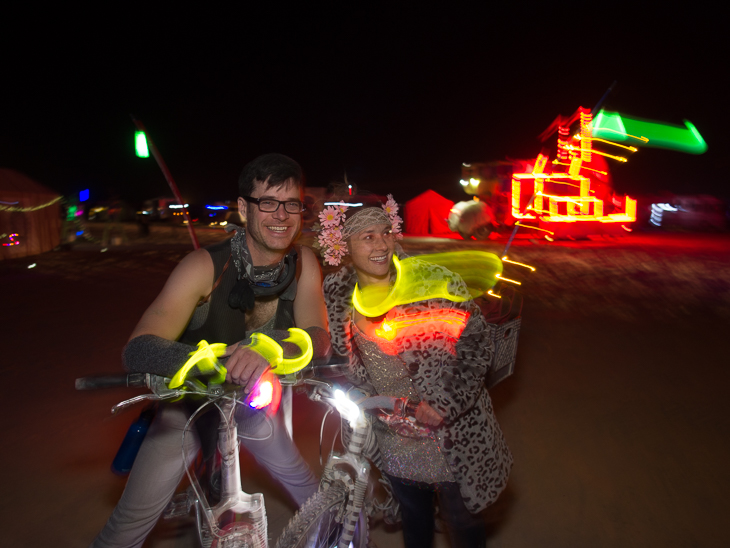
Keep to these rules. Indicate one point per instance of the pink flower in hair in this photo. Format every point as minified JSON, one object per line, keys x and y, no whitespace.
{"x":330,"y":216}
{"x":335,"y":251}
{"x":391,"y":208}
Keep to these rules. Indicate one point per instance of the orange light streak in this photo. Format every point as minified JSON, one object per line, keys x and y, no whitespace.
{"x":632,"y":149}
{"x":449,"y":322}
{"x":493,"y":294}
{"x":618,"y":158}
{"x":644,"y":139}
{"x":506,"y":260}
{"x":507,"y":280}
{"x":582,"y":167}
{"x":535,"y":228}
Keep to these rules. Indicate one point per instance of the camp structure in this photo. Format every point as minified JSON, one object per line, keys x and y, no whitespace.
{"x":30,"y":216}
{"x":427,"y":213}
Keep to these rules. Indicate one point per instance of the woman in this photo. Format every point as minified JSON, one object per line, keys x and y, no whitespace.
{"x":433,"y":350}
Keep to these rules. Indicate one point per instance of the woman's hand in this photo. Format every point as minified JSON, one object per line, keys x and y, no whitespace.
{"x":428,"y":415}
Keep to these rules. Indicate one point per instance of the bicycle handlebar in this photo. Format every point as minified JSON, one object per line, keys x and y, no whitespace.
{"x":95,"y":382}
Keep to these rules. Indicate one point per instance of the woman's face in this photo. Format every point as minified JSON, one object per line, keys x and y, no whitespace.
{"x":372,"y":252}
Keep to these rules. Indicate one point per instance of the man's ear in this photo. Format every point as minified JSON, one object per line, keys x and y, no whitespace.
{"x":242,"y":209}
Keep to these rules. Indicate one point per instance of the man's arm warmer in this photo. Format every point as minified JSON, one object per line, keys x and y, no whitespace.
{"x":153,"y":354}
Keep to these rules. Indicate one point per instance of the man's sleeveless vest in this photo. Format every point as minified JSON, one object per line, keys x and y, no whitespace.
{"x":215,"y":321}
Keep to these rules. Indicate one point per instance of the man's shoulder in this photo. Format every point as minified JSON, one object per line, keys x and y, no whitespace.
{"x":196,"y":263}
{"x":305,"y":252}
{"x":307,"y":258}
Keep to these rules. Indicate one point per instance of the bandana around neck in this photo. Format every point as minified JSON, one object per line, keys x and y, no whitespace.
{"x":256,"y":281}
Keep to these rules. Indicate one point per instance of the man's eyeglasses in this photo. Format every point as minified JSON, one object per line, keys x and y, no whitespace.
{"x":269,"y":205}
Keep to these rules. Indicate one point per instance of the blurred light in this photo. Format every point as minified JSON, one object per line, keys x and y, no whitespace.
{"x":658,"y":134}
{"x":657,"y":211}
{"x":206,"y":359}
{"x":463,"y":182}
{"x":502,"y":278}
{"x":32,"y":265}
{"x":341,"y":204}
{"x":177,"y":206}
{"x":12,"y":238}
{"x":262,"y":395}
{"x":506,"y":260}
{"x":140,"y":145}
{"x":449,"y":322}
{"x":474,"y":182}
{"x":84,"y":195}
{"x":215,"y":208}
{"x":346,"y":407}
{"x":555,"y":208}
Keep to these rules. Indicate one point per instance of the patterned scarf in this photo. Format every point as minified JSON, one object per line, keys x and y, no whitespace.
{"x":256,"y":281}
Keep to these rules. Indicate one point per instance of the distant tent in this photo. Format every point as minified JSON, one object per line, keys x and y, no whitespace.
{"x":427,"y":213}
{"x":30,"y":216}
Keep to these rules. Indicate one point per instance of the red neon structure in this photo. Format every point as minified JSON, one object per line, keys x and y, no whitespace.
{"x":568,"y":195}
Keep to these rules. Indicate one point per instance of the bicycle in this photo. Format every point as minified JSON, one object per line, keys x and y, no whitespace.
{"x":238,"y":520}
{"x":337,"y":515}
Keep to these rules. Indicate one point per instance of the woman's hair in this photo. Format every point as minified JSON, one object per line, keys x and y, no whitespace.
{"x":363,"y":219}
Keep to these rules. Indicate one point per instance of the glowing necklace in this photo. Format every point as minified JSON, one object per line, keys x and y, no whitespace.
{"x":407,"y":288}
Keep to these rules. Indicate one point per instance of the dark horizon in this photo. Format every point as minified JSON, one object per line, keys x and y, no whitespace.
{"x":396,"y":103}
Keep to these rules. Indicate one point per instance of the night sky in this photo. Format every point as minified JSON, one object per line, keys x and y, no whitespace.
{"x":395,"y":97}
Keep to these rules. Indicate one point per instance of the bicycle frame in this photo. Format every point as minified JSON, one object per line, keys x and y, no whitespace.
{"x":351,"y":468}
{"x":250,"y":533}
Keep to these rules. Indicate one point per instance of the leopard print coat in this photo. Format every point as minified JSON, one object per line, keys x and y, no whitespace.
{"x":447,"y":373}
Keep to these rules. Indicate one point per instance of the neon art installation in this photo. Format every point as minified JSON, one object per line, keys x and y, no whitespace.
{"x":563,"y":190}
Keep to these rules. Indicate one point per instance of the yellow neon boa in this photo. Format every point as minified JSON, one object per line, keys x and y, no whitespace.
{"x":271,"y":351}
{"x":478,"y":269}
{"x":205,"y":357}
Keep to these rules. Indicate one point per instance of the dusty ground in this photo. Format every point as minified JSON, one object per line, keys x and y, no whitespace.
{"x":617,"y":414}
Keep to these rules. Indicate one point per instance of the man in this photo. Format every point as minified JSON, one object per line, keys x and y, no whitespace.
{"x":257,"y":281}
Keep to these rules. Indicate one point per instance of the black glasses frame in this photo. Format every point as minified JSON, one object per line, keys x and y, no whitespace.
{"x":300,"y":208}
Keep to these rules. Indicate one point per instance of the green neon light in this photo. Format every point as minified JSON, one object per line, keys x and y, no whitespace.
{"x":478,"y":269}
{"x":621,"y":128}
{"x":414,"y":281}
{"x":205,"y":357}
{"x":271,"y":351}
{"x":140,"y":144}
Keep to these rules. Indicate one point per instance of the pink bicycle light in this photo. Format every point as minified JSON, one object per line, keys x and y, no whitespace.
{"x":262,"y":395}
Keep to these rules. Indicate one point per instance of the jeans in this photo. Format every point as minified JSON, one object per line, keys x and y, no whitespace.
{"x":466,"y":530}
{"x":158,"y":469}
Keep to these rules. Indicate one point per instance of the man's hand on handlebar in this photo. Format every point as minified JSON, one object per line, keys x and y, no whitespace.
{"x":244,"y":366}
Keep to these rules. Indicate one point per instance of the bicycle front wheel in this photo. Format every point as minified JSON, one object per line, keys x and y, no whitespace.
{"x":318,"y":523}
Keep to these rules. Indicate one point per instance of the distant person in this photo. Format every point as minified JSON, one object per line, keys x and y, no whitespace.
{"x":456,"y":452}
{"x":256,"y":281}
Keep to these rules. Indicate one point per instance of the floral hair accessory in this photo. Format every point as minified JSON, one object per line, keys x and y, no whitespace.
{"x":336,"y":227}
{"x":391,"y":208}
{"x":330,"y":236}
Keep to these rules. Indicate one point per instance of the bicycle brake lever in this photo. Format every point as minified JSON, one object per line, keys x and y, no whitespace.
{"x":144,"y":397}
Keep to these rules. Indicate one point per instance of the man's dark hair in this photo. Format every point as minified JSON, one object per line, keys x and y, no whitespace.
{"x":274,"y":169}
